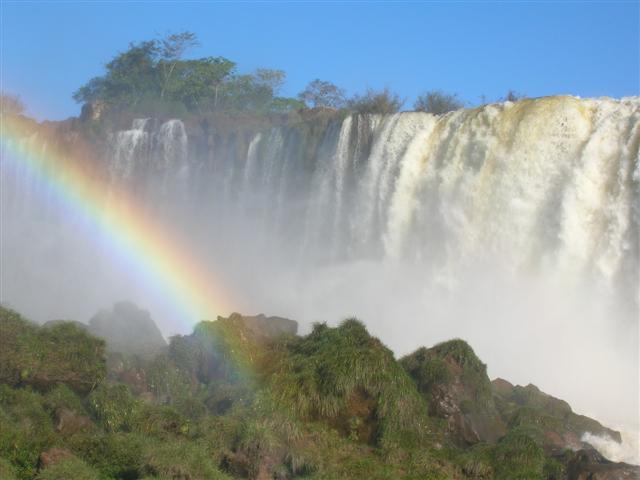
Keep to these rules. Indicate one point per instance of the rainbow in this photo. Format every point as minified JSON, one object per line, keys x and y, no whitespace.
{"x":148,"y":248}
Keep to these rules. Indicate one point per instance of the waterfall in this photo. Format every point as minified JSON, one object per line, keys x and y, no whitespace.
{"x":515,"y":221}
{"x":548,"y":184}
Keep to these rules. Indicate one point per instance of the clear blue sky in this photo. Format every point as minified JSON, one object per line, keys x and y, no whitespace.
{"x":589,"y":49}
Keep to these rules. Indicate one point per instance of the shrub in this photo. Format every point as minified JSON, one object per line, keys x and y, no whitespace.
{"x":382,"y":101}
{"x":113,"y":407}
{"x":518,"y":457}
{"x":61,"y":396}
{"x":180,"y":459}
{"x":343,"y":375}
{"x":160,"y":421}
{"x":26,"y":429}
{"x":113,"y":455}
{"x":437,"y":102}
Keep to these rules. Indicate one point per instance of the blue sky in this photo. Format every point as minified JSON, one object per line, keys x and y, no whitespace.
{"x":51,"y":48}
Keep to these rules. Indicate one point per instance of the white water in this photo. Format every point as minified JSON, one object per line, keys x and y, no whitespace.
{"x":514,"y":226}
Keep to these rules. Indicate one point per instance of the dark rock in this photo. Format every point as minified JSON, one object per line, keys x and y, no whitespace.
{"x":588,"y":464}
{"x":128,"y":329}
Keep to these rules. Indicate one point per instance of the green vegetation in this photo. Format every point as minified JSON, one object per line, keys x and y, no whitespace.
{"x":437,"y":102}
{"x":321,"y":93}
{"x":237,"y":399}
{"x":154,"y":75}
{"x":45,"y":357}
{"x":372,"y":101}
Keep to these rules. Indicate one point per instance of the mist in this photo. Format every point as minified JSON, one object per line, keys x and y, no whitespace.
{"x":513,"y":226}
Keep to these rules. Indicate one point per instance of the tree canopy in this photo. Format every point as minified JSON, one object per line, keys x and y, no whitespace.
{"x":156,"y":71}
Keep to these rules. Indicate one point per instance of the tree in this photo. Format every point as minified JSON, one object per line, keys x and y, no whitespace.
{"x":372,"y":101}
{"x":130,"y":76}
{"x":321,"y":93}
{"x":437,"y":102}
{"x":198,"y":80}
{"x":153,"y":76}
{"x":11,"y":104}
{"x":172,"y":48}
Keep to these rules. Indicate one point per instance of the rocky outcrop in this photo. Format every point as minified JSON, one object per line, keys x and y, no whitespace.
{"x":551,"y":420}
{"x":128,"y":329}
{"x":588,"y":464}
{"x":456,"y":386}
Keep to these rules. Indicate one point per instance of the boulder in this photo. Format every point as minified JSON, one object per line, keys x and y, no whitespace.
{"x":456,"y":386}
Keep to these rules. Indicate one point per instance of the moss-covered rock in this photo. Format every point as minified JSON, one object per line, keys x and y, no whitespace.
{"x":455,"y":384}
{"x":44,"y":357}
{"x":350,"y":379}
{"x":550,"y":420}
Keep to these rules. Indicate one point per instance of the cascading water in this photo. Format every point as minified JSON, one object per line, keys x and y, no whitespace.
{"x":514,"y":225}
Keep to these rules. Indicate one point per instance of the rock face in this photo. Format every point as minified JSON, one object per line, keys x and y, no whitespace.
{"x":555,"y":425}
{"x":455,"y":383}
{"x":588,"y":464}
{"x":128,"y":329}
